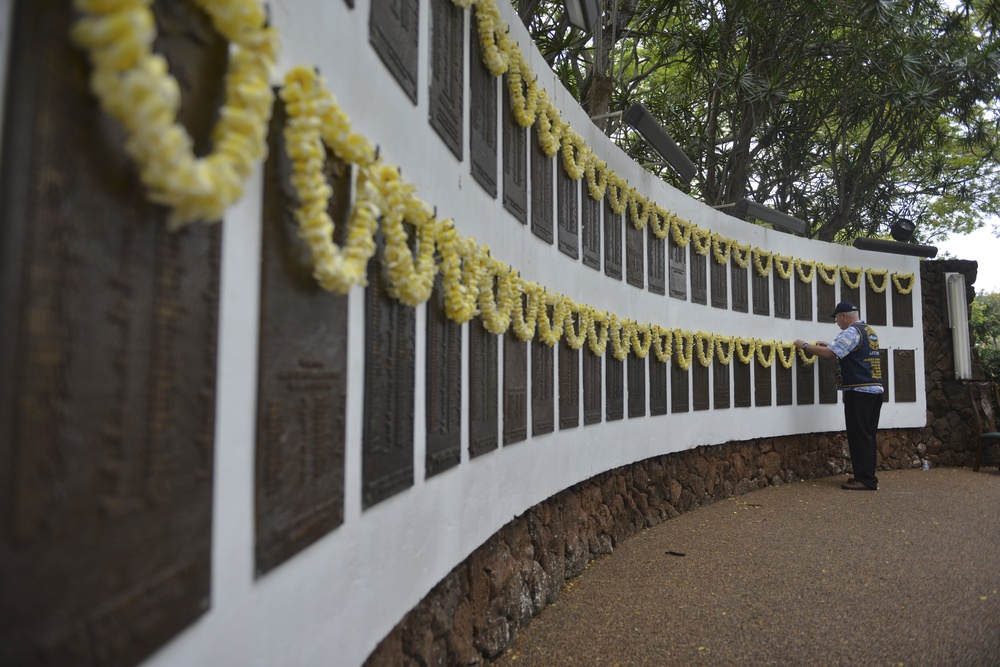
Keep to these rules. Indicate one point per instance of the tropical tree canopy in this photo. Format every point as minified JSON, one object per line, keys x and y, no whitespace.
{"x":849,"y":114}
{"x":984,"y":320}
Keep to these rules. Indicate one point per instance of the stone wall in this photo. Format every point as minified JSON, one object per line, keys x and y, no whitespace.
{"x":474,"y":614}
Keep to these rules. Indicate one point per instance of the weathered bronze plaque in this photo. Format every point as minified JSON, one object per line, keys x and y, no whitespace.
{"x":636,"y":386}
{"x":902,"y":308}
{"x":542,"y":388}
{"x":443,"y":400}
{"x":108,"y":327}
{"x":393,"y":34}
{"x":700,"y":391}
{"x":827,"y":372}
{"x":699,"y":278}
{"x":782,"y":296}
{"x":803,"y":300}
{"x":904,"y":376}
{"x":482,"y":116}
{"x":783,"y":384}
{"x":720,"y":383}
{"x":569,"y":386}
{"x":634,"y":257}
{"x":677,"y":269}
{"x":591,"y":211}
{"x":875,"y":307}
{"x":657,"y":386}
{"x":542,"y":190}
{"x":515,"y":161}
{"x":390,"y":346}
{"x":447,"y":70}
{"x":720,"y":285}
{"x":805,"y":383}
{"x":680,"y":388}
{"x":884,"y":356}
{"x":592,"y":399}
{"x":761,"y":384}
{"x":738,"y":281}
{"x":852,"y":294}
{"x":656,"y":252}
{"x":612,"y":242}
{"x":741,"y":384}
{"x":826,"y":300}
{"x":614,"y":398}
{"x":483,"y":387}
{"x":761,"y":288}
{"x":515,"y":389}
{"x":568,"y":213}
{"x":302,"y":373}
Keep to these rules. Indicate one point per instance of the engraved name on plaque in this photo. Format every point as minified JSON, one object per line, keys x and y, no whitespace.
{"x":904,"y":376}
{"x":656,"y":253}
{"x":805,"y":383}
{"x":700,"y":386}
{"x":782,"y":296}
{"x":826,"y":299}
{"x":482,"y":117}
{"x":677,"y":269}
{"x":720,"y":385}
{"x":483,"y":388}
{"x":699,"y":278}
{"x":108,"y":328}
{"x":393,"y":34}
{"x":390,"y":345}
{"x":636,"y":386}
{"x":803,"y":299}
{"x":447,"y":90}
{"x":827,"y":373}
{"x":515,"y":389}
{"x":720,"y":284}
{"x":875,"y":307}
{"x":591,"y":232}
{"x":883,"y":356}
{"x":902,"y":307}
{"x":657,"y":386}
{"x":592,"y":397}
{"x":680,"y":387}
{"x":741,"y":384}
{"x":783,"y":384}
{"x":569,"y":386}
{"x":568,"y":213}
{"x":852,"y":294}
{"x":738,"y":282}
{"x":761,"y":288}
{"x":762,"y":384}
{"x":614,"y":371}
{"x":542,"y":189}
{"x":612,"y":242}
{"x":634,"y":260}
{"x":542,"y":388}
{"x":302,"y":374}
{"x":443,"y":408}
{"x":515,"y":161}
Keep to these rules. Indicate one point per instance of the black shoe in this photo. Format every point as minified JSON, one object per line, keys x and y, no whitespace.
{"x":855,"y":485}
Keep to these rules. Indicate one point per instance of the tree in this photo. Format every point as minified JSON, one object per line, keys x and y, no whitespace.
{"x":846,"y":113}
{"x":984,"y":320}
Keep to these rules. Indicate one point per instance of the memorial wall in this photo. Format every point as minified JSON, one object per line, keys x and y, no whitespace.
{"x":438,"y":295}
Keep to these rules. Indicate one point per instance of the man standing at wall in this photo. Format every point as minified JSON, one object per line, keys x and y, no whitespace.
{"x":859,"y":376}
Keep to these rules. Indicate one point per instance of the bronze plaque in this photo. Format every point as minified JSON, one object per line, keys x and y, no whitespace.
{"x":803,"y":300}
{"x":569,"y":386}
{"x":568,"y":213}
{"x":302,"y":373}
{"x":483,"y":388}
{"x":884,"y":357}
{"x":783,"y":384}
{"x":482,"y":116}
{"x":591,"y":232}
{"x":612,"y":242}
{"x":515,"y":161}
{"x":738,"y":281}
{"x":515,"y":389}
{"x":636,"y":386}
{"x":592,"y":399}
{"x":875,"y":307}
{"x":680,"y":391}
{"x":656,"y":253}
{"x":852,"y":294}
{"x":700,"y":390}
{"x":904,"y":376}
{"x":827,"y":380}
{"x":393,"y":34}
{"x":805,"y":383}
{"x":782,"y":296}
{"x":634,"y":257}
{"x":902,"y":308}
{"x":443,"y":402}
{"x":542,"y":192}
{"x":720,"y":383}
{"x":614,"y":398}
{"x":761,"y":384}
{"x":741,"y":384}
{"x":677,"y":268}
{"x":447,"y":89}
{"x":542,"y":388}
{"x":826,"y":300}
{"x":390,"y":346}
{"x":720,"y":285}
{"x":657,"y":386}
{"x":761,"y":288}
{"x":699,"y":278}
{"x":107,"y":361}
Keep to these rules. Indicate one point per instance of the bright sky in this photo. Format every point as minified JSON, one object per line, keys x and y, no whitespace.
{"x":981,"y":246}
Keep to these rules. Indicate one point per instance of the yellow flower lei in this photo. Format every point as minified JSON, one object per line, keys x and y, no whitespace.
{"x":896,"y":277}
{"x":617,"y":191}
{"x":763,"y":269}
{"x":786,"y":354}
{"x":410,"y":281}
{"x":523,"y":105}
{"x":828,"y":272}
{"x":550,"y":125}
{"x":575,"y":153}
{"x":872,"y":274}
{"x":684,"y":341}
{"x":621,"y":338}
{"x":745,"y":356}
{"x":596,"y":171}
{"x":662,"y":342}
{"x":721,"y":247}
{"x":704,"y":345}
{"x":640,"y":347}
{"x":742,"y":260}
{"x":803,"y":276}
{"x":134,"y":87}
{"x":768,"y":360}
{"x":807,"y":358}
{"x":681,"y":230}
{"x":854,"y":281}
{"x":493,"y":37}
{"x":634,"y":199}
{"x":701,"y":240}
{"x":598,"y":342}
{"x":783,"y":264}
{"x":720,"y":354}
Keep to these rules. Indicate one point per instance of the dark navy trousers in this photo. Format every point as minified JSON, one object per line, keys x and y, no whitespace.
{"x":861,"y":413}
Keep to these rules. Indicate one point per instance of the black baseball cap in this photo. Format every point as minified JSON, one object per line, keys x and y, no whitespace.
{"x":844,"y":307}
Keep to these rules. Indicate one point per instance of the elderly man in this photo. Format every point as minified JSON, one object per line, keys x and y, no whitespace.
{"x":859,"y":376}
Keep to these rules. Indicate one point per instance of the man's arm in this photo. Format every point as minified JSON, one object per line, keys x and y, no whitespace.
{"x":819,"y":348}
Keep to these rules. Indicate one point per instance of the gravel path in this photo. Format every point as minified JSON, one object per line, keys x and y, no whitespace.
{"x":797,"y":574}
